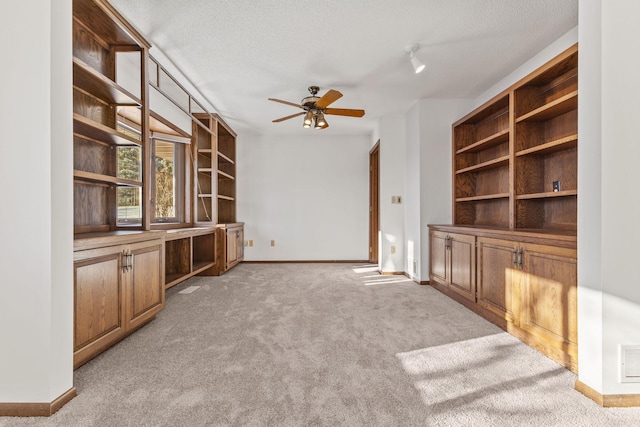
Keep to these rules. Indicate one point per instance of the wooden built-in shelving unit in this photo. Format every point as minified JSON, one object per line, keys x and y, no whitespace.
{"x":226,"y":171}
{"x":125,"y":257}
{"x":510,"y":254}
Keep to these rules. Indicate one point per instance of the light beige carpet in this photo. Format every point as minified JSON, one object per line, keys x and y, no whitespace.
{"x":322,"y":345}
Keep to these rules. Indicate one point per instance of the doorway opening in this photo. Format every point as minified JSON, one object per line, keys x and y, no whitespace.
{"x":374,"y":202}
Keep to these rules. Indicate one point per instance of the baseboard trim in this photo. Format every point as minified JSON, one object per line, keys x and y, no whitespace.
{"x":37,"y":409}
{"x":608,"y":400}
{"x":313,"y":261}
{"x":393,"y":273}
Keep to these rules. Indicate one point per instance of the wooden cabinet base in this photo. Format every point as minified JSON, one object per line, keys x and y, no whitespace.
{"x":118,"y":287}
{"x":525,"y":283}
{"x":230,"y":247}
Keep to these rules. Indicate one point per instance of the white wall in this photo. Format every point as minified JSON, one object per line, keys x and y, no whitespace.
{"x":36,"y":213}
{"x":412,"y":193}
{"x":436,"y":117}
{"x":310,"y":195}
{"x":609,"y":206}
{"x":590,"y":324}
{"x":392,"y":136}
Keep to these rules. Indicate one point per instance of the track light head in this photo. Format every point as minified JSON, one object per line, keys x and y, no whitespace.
{"x":418,"y":65}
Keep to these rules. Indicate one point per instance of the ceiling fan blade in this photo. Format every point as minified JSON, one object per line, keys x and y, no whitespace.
{"x":328,"y":98}
{"x":286,"y":102}
{"x":344,"y":112}
{"x":281,"y":119}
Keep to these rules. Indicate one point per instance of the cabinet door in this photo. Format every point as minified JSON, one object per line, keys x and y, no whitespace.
{"x":498,"y":276}
{"x":438,"y":257}
{"x":240,"y":244}
{"x":98,"y":320}
{"x":144,"y":284}
{"x":232,"y":247}
{"x":462,"y":250}
{"x":549,"y":300}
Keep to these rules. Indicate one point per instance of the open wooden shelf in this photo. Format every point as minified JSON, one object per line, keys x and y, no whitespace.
{"x":91,"y":81}
{"x":104,"y":179}
{"x":555,"y":108}
{"x":483,"y":197}
{"x":490,"y":164}
{"x":226,"y":175}
{"x":84,"y":127}
{"x":225,"y":158}
{"x":490,"y":141}
{"x":547,"y":195}
{"x":189,"y":251}
{"x":565,"y":143}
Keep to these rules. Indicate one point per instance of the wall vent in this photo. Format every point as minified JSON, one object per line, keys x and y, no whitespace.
{"x":630,"y":363}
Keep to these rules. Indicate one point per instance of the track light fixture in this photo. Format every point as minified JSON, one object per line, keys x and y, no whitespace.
{"x":418,"y":65}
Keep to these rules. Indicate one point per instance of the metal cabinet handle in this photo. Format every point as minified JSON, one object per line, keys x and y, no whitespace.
{"x":514,"y":257}
{"x":127,"y":260}
{"x":520,"y":257}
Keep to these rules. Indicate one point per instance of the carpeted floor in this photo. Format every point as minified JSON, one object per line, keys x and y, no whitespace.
{"x":322,"y":345}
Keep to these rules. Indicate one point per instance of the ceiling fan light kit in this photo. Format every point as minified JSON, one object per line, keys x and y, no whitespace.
{"x":316,"y":107}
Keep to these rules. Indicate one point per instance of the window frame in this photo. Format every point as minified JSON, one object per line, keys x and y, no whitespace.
{"x":181,"y":145}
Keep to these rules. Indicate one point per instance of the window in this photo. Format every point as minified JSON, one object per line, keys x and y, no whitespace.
{"x":129,"y":167}
{"x":168,"y":178}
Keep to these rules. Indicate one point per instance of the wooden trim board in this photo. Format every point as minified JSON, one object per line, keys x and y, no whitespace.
{"x":43,"y":409}
{"x":608,"y":400}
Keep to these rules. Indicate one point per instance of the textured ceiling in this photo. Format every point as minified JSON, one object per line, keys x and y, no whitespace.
{"x":241,"y":52}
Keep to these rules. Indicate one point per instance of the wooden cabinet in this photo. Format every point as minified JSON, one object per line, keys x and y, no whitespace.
{"x":118,"y":287}
{"x":439,"y":257}
{"x":498,"y":276}
{"x":524,"y":282}
{"x":231,"y":246}
{"x":453,"y":262}
{"x":548,"y":300}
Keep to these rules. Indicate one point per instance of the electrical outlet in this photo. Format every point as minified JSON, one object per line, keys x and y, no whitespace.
{"x":273,"y":243}
{"x":393,"y":249}
{"x":251,"y":243}
{"x":556,"y":186}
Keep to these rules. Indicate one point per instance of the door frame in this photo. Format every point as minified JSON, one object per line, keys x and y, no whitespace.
{"x":374,"y":202}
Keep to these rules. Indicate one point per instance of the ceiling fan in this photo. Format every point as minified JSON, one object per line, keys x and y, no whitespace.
{"x":315,"y":108}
